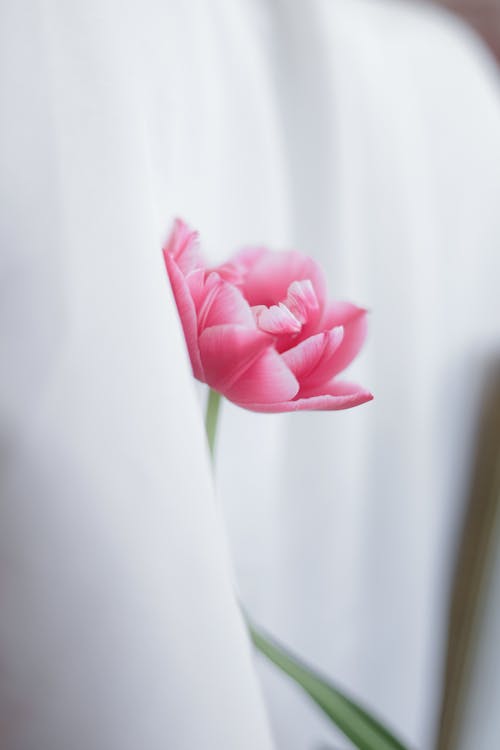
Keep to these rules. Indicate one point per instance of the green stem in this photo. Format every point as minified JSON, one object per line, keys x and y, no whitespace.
{"x":363,"y":729}
{"x":211,"y":418}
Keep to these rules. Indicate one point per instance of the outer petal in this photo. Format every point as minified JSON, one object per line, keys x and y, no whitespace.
{"x":313,"y":361}
{"x":354,"y":321}
{"x":268,"y":379}
{"x":187,"y":313}
{"x":338,"y":395}
{"x":270,"y":276}
{"x":183,"y":246}
{"x":228,"y":350}
{"x":242,"y":364}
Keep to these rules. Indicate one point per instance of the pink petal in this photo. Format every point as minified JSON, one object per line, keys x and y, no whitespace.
{"x":183,"y":246}
{"x":313,"y":361}
{"x":187,"y":313}
{"x":270,"y":276}
{"x":248,"y":256}
{"x":222,"y":303}
{"x":241,"y":363}
{"x":341,"y":314}
{"x":354,"y":321}
{"x":236,"y":269}
{"x":228,"y":350}
{"x":337,"y":395}
{"x":196,"y":282}
{"x":277,"y":319}
{"x":301,"y":300}
{"x":267,"y":380}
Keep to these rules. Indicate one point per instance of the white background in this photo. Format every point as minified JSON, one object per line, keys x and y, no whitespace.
{"x":365,"y":134}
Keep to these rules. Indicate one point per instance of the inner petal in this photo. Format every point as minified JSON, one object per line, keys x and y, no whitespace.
{"x":301,"y":299}
{"x":220,"y":302}
{"x":288,"y":318}
{"x":269,"y":278}
{"x":277,"y":319}
{"x":313,"y":360}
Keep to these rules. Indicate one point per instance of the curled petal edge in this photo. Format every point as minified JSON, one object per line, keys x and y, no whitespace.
{"x":187,"y":314}
{"x":354,"y":321}
{"x":183,"y":246}
{"x":346,"y":396}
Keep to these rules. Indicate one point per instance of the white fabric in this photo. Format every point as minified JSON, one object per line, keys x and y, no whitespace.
{"x":343,"y":525}
{"x":367,"y":134}
{"x":118,"y":624}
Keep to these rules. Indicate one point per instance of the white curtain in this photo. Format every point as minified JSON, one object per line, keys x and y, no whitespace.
{"x":366,"y":134}
{"x":344,"y":526}
{"x":118,"y":624}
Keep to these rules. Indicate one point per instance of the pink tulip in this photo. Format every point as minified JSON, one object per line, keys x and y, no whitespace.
{"x":260,"y":330}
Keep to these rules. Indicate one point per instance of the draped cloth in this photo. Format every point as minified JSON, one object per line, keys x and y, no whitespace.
{"x":366,"y":134}
{"x":119,"y":627}
{"x":344,"y":527}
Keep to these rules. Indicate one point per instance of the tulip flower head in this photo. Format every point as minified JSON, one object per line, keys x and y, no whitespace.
{"x":260,"y":330}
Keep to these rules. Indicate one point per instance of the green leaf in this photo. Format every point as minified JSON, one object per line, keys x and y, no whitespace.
{"x":362,"y":729}
{"x":355,"y":722}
